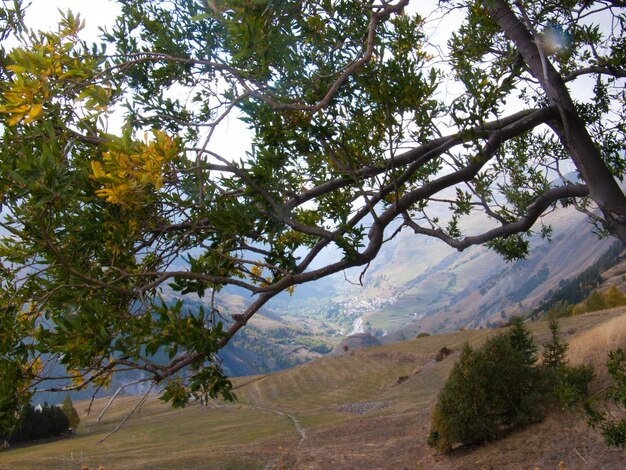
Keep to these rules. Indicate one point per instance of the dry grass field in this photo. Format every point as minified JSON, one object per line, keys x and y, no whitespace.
{"x":369,"y":409}
{"x":591,"y":345}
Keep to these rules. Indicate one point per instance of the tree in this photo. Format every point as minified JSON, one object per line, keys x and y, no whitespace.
{"x":522,"y":340}
{"x":353,"y":141}
{"x":34,"y":423}
{"x":595,"y":302}
{"x":614,"y":298}
{"x":70,"y":412}
{"x":488,"y":392}
{"x":554,"y":351}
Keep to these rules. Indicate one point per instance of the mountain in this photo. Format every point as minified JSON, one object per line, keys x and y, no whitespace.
{"x":420,"y":284}
{"x":416,"y":284}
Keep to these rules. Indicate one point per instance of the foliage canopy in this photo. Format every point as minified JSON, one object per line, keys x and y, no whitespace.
{"x":361,"y":128}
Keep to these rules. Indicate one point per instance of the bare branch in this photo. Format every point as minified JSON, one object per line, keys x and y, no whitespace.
{"x":127,"y":417}
{"x":533,"y":212}
{"x":117,"y":392}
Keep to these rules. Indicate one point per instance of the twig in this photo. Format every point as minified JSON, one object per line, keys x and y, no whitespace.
{"x":119,"y":426}
{"x":117,"y":392}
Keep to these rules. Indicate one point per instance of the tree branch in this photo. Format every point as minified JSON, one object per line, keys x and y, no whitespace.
{"x":533,"y":212}
{"x":612,"y":71}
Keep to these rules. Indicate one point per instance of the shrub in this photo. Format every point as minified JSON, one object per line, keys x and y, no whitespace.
{"x":423,"y":335}
{"x":560,"y":309}
{"x":595,"y":302}
{"x":613,"y":421}
{"x":489,"y":391}
{"x":442,"y":354}
{"x":567,"y":385}
{"x":570,"y":385}
{"x":614,"y":298}
{"x":497,"y":388}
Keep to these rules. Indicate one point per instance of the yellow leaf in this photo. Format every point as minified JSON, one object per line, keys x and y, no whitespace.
{"x":35,"y":111}
{"x":256,"y":270}
{"x":77,"y":377}
{"x":15,"y":119}
{"x":17,"y":68}
{"x":96,"y":168}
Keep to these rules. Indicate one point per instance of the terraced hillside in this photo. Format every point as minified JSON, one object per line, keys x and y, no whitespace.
{"x":367,"y":409}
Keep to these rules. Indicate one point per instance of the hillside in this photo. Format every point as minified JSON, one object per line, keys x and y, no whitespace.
{"x":272,"y":344}
{"x":364,"y":410}
{"x":416,"y":284}
{"x":420,"y":284}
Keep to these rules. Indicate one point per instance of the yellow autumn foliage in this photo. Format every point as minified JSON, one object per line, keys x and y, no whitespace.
{"x":44,"y":70}
{"x":257,"y":271}
{"x":127,"y":176}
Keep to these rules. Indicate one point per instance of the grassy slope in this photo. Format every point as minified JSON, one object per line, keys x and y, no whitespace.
{"x":347,"y":412}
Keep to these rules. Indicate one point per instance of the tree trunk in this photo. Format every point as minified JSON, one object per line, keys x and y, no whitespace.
{"x":603,"y":188}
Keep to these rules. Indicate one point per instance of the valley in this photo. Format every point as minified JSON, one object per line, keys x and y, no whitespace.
{"x":422,"y":282}
{"x":417,"y":288}
{"x":408,"y":290}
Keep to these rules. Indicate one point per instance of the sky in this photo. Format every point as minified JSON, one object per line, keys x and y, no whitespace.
{"x":44,"y":14}
{"x":231,"y":139}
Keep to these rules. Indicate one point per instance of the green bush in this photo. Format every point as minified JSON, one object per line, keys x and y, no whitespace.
{"x":613,"y":422}
{"x":567,"y":385}
{"x":489,"y":391}
{"x":498,"y":387}
{"x":570,"y":385}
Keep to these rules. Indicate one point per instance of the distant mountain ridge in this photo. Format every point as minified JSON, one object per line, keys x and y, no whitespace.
{"x":416,"y":284}
{"x":421,"y":284}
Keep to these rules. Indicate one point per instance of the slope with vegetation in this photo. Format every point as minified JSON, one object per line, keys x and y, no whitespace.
{"x":497,"y":388}
{"x":368,"y":409}
{"x":574,"y":295}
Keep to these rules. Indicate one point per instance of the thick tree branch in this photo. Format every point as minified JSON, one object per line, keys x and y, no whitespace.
{"x":517,"y":123}
{"x":523,"y":224}
{"x":571,"y":129}
{"x":612,"y":71}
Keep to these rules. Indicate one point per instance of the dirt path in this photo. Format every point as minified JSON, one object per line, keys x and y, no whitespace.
{"x":256,"y":403}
